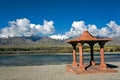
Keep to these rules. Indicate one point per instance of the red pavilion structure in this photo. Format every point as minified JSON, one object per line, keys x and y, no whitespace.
{"x":80,"y":67}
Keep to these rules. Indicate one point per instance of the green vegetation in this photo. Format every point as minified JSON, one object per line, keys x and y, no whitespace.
{"x":107,"y":48}
{"x":28,"y":50}
{"x":50,"y":49}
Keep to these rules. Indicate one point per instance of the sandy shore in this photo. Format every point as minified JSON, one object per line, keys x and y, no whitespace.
{"x":53,"y":72}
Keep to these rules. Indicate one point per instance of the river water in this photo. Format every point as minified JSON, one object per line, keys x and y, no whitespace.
{"x":51,"y":59}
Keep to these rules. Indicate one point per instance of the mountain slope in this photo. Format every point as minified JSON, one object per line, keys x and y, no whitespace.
{"x":31,"y":41}
{"x":41,"y":41}
{"x":115,"y":41}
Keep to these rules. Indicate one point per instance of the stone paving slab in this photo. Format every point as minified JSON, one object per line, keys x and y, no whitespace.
{"x":53,"y":72}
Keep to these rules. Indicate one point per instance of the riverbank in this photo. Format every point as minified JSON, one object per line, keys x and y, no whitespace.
{"x":8,"y":50}
{"x":12,"y":53}
{"x":53,"y":72}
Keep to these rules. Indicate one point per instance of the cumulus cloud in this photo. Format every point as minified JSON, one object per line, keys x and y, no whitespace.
{"x":77,"y":28}
{"x":112,"y":29}
{"x":23,"y":27}
{"x":59,"y":37}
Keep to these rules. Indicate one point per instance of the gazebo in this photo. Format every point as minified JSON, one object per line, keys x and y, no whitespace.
{"x":80,"y":67}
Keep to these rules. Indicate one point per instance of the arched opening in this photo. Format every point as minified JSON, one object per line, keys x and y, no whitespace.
{"x":96,"y":49}
{"x":86,"y":50}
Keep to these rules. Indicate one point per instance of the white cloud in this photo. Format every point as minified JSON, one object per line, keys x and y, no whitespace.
{"x":48,"y":27}
{"x":59,"y":37}
{"x":77,"y":28}
{"x":93,"y":30}
{"x":23,"y":27}
{"x":114,"y":28}
{"x":111,"y":30}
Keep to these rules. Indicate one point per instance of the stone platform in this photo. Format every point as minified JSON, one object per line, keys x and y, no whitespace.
{"x":54,"y":72}
{"x":89,"y":69}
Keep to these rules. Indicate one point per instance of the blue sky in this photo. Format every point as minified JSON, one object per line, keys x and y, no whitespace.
{"x":62,"y":12}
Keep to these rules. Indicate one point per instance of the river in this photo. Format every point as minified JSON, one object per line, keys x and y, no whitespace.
{"x":51,"y":59}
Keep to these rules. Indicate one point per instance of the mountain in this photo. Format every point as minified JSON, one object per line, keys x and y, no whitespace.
{"x":41,"y":41}
{"x":14,"y":41}
{"x":31,"y":41}
{"x":115,"y":41}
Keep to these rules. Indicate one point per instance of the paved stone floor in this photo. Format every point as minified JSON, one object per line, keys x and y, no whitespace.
{"x":53,"y":72}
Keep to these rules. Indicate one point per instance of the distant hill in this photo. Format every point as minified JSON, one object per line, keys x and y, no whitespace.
{"x":115,"y":41}
{"x":41,"y":41}
{"x":15,"y":41}
{"x":31,"y":41}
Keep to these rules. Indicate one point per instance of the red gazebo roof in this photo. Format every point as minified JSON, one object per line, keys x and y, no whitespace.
{"x":87,"y":37}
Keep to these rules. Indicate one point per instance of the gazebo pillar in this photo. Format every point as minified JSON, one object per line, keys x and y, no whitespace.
{"x":102,"y":64}
{"x":92,"y":61}
{"x":81,"y":62}
{"x":74,"y":63}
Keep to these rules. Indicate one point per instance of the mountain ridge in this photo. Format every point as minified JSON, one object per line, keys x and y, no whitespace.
{"x":31,"y":41}
{"x":41,"y":41}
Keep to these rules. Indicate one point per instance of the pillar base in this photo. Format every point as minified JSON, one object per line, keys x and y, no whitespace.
{"x":74,"y":64}
{"x":82,"y":67}
{"x":92,"y":63}
{"x":103,"y":66}
{"x":94,"y":70}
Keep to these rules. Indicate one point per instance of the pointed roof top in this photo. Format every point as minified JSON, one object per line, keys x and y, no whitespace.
{"x":86,"y":36}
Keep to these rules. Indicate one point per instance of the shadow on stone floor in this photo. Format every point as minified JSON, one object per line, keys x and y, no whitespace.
{"x":112,"y":66}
